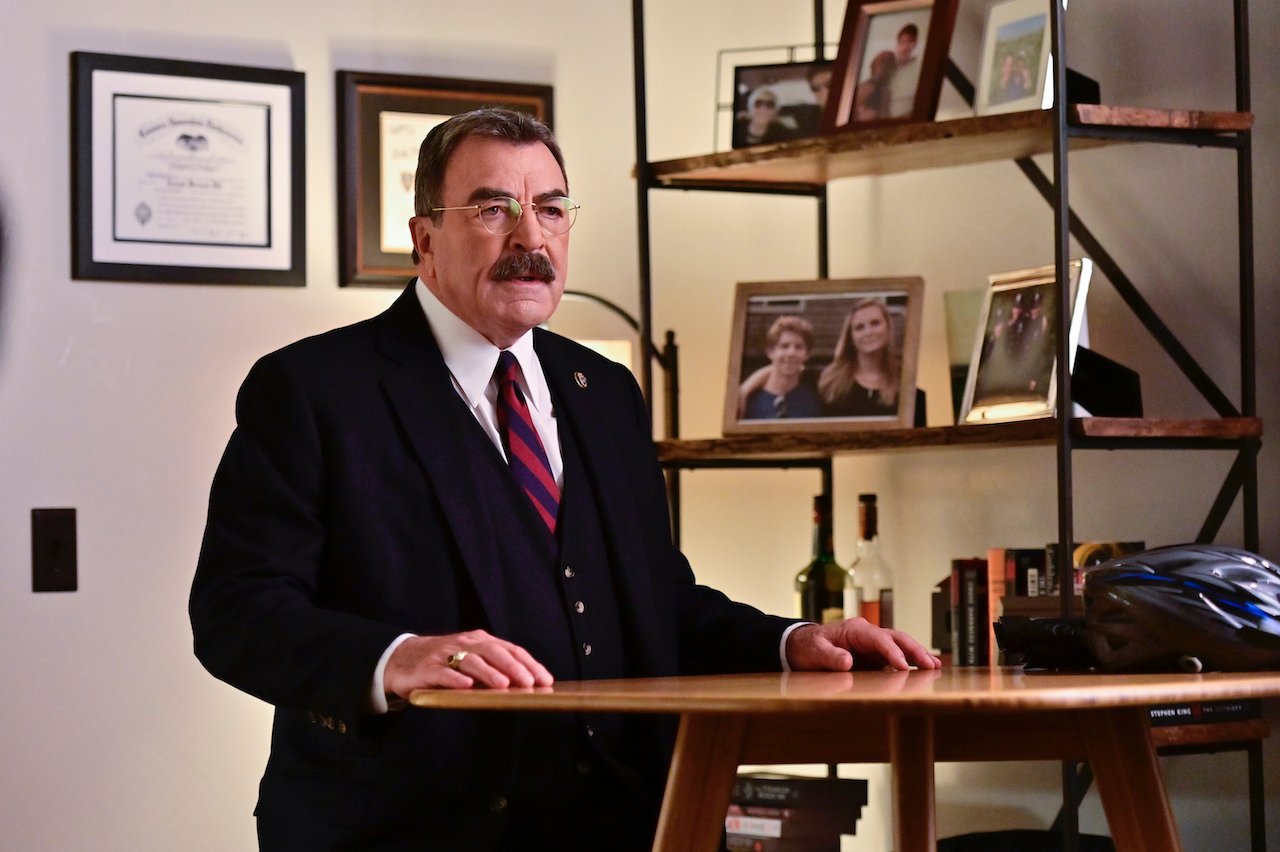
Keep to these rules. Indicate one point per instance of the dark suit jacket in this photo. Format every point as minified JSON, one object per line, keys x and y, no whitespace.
{"x":344,"y":513}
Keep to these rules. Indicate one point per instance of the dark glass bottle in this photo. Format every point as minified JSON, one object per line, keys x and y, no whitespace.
{"x":823,"y":587}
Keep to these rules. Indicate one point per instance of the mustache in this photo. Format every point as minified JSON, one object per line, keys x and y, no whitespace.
{"x":523,"y":265}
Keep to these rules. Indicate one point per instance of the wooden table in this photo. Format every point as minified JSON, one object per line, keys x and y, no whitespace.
{"x":907,"y":719}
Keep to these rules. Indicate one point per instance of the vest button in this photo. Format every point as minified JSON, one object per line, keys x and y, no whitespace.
{"x":498,"y":805}
{"x":569,"y":572}
{"x":591,"y":732}
{"x":586,"y":648}
{"x":579,"y":607}
{"x":584,"y":766}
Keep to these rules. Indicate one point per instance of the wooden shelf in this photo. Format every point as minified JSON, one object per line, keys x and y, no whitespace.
{"x":810,"y":163}
{"x":1133,"y":432}
{"x":1182,"y":738}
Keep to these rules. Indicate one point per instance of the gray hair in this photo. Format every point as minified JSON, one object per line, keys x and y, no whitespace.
{"x":490,"y":122}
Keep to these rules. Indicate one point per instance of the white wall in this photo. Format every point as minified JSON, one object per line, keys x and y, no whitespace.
{"x":117,"y":398}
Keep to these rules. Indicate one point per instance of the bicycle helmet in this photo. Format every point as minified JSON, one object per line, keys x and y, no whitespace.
{"x":1188,"y":607}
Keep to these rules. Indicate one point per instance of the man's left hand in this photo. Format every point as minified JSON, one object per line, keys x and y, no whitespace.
{"x":855,"y":643}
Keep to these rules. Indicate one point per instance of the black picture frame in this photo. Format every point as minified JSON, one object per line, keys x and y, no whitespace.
{"x":872,"y":29}
{"x":186,"y":172}
{"x":799,"y":94}
{"x":370,"y":252}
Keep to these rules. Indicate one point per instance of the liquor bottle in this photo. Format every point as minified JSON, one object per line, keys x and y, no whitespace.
{"x":823,"y":586}
{"x":873,"y":577}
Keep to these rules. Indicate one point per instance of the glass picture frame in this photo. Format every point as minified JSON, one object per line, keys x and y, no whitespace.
{"x":798,"y":91}
{"x":1013,"y":369}
{"x":1015,"y":68}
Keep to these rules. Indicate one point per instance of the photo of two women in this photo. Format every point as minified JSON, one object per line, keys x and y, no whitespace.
{"x":820,"y":356}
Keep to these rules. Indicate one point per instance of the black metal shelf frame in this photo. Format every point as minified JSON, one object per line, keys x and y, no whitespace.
{"x":1241,"y":481}
{"x":1242,"y":478}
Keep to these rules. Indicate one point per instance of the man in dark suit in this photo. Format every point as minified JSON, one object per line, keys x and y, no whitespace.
{"x":373,"y":529}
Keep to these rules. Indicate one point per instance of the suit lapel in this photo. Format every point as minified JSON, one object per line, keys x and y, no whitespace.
{"x":585,"y":408}
{"x":434,"y":418}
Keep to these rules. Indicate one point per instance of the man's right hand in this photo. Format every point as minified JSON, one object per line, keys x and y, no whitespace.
{"x":422,"y":662}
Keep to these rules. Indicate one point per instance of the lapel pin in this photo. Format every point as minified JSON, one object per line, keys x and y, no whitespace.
{"x":580,"y":379}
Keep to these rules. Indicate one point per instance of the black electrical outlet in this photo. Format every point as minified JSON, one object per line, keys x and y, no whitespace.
{"x":53,"y":550}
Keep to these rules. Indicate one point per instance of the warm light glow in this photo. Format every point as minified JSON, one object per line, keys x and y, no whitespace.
{"x":614,"y":350}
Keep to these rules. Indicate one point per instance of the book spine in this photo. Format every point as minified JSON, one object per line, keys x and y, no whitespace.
{"x":972,"y":640}
{"x":1028,"y":570}
{"x":1205,"y":712}
{"x":999,"y":568}
{"x":956,"y":579}
{"x":1051,"y":569}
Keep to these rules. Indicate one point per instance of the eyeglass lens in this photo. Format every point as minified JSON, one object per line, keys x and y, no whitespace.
{"x":501,"y":215}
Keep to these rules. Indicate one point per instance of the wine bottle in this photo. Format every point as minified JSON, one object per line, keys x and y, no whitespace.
{"x":823,"y":586}
{"x":873,"y":578}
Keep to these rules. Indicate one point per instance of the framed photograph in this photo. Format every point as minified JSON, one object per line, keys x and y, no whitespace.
{"x":382,"y":120}
{"x":1014,"y":71}
{"x":186,"y":172}
{"x":889,"y":69}
{"x":1013,"y":369}
{"x":826,"y":355}
{"x":731,"y":100}
{"x":773,"y":103}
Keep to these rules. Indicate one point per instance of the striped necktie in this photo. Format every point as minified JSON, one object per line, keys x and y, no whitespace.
{"x":525,"y":454}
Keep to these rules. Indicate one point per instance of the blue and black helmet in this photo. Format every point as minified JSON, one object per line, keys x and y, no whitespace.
{"x":1188,"y":607}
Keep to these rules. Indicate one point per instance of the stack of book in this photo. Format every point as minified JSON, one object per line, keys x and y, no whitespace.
{"x":1014,"y":581}
{"x":778,"y":813}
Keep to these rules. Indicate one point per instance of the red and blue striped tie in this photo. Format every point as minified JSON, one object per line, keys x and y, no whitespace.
{"x":525,"y":454}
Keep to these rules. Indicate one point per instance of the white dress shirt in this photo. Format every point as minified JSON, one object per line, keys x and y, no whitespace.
{"x":471,"y":360}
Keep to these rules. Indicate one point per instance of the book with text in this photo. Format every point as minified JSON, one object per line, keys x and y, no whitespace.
{"x":1010,"y":571}
{"x":972,"y":613}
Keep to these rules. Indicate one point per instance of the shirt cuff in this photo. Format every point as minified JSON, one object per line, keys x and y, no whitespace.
{"x":378,"y":702}
{"x":782,"y":645}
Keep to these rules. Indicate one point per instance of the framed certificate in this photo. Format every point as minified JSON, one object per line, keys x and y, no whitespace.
{"x":187,"y":172}
{"x":382,"y":119}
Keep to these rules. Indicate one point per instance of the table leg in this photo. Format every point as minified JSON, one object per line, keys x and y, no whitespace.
{"x":700,"y":783}
{"x":1127,"y":772}
{"x":911,"y":753}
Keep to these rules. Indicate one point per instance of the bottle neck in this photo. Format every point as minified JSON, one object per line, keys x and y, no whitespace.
{"x":868,"y":522}
{"x":823,"y":548}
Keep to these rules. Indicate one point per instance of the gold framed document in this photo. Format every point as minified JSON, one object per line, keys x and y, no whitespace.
{"x":382,"y":119}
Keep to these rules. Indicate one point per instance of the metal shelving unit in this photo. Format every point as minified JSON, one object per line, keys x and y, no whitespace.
{"x":805,"y":167}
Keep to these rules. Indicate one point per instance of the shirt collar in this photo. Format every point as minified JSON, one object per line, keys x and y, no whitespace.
{"x":471,"y":358}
